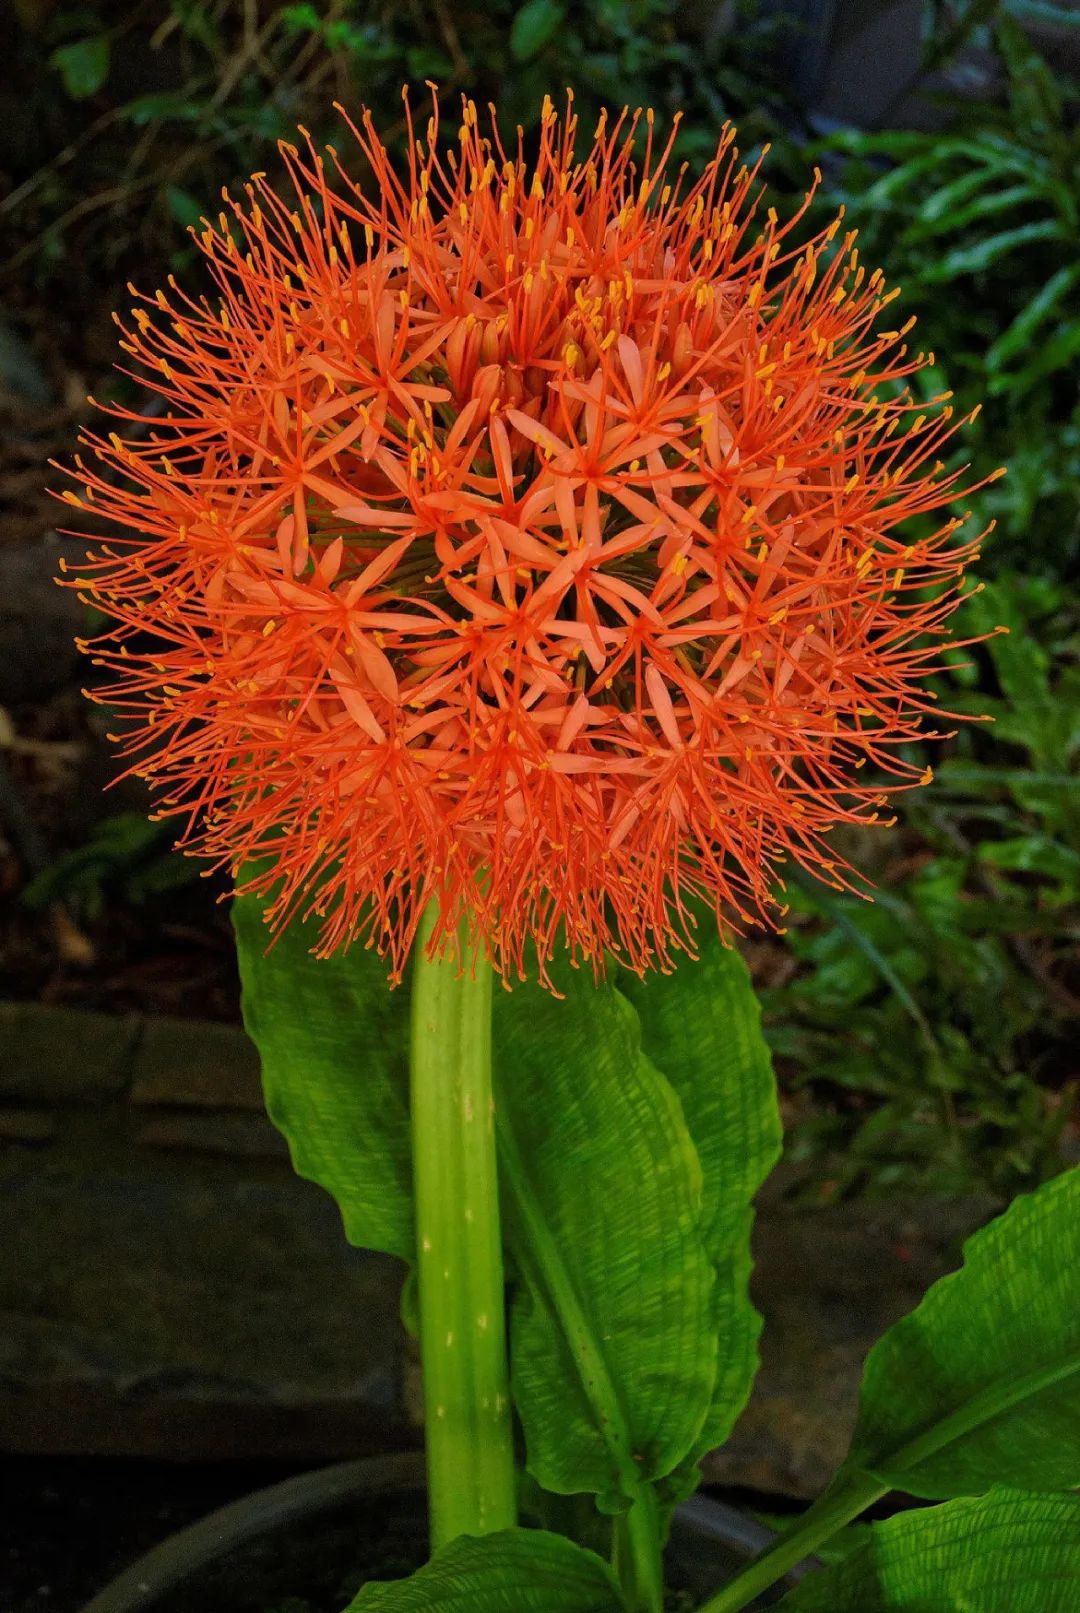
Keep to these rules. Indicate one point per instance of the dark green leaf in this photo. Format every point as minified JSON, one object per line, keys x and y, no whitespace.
{"x":941,"y":204}
{"x":981,"y":254}
{"x":199,"y":22}
{"x":994,"y":200}
{"x":884,"y":143}
{"x":514,"y":1571}
{"x":127,"y":851}
{"x":1061,"y":15}
{"x":1042,"y":305}
{"x":1056,"y":353}
{"x":1022,"y":664}
{"x":302,"y":19}
{"x":535,"y":26}
{"x":166,"y":107}
{"x":83,"y":65}
{"x":902,"y":180}
{"x":1034,"y":854}
{"x":1006,"y":1552}
{"x":977,"y":778}
{"x":333,"y":1039}
{"x":184,"y":207}
{"x":941,"y":43}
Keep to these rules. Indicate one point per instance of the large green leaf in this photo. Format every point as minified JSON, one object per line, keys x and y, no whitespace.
{"x":701,"y":1025}
{"x":333,"y":1039}
{"x":982,"y":1381}
{"x":632,"y":1266}
{"x":613,"y":1356}
{"x":1007,"y":1552}
{"x":514,"y":1571}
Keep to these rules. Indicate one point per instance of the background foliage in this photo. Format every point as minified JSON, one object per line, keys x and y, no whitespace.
{"x":929,"y":1038}
{"x":947,"y":1011}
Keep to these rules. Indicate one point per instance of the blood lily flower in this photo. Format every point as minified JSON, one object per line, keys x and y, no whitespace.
{"x":521,"y":534}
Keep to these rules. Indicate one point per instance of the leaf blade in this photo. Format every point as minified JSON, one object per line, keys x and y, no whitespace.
{"x":332,"y":1038}
{"x":609,"y":1216}
{"x":1007,"y":1552}
{"x":513,"y":1571}
{"x":983,"y":1378}
{"x":702,"y":1026}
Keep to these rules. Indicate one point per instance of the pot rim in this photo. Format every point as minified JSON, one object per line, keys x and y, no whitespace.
{"x":221,"y":1531}
{"x":135,"y":1589}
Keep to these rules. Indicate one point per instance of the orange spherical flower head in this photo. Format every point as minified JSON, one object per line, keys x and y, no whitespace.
{"x":522,"y":536}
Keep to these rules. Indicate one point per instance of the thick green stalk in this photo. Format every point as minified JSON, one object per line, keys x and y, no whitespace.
{"x":459,"y":1248}
{"x":836,"y":1508}
{"x":638,"y":1557}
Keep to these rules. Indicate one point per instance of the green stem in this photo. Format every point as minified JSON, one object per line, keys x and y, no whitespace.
{"x":459,"y":1247}
{"x":638,"y":1558}
{"x":836,"y":1508}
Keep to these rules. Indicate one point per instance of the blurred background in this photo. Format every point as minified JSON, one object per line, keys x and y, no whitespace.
{"x":166,"y":1278}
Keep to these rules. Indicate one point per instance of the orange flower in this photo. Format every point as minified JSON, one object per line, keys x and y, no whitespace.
{"x":521,"y":536}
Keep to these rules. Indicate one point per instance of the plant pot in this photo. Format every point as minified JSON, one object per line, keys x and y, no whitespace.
{"x":306,"y":1546}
